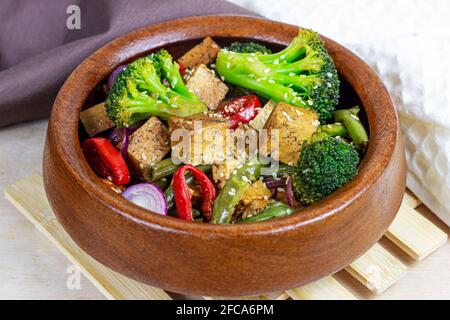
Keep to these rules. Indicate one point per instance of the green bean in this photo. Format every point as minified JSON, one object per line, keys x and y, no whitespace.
{"x":274,"y":210}
{"x":161,"y":169}
{"x":233,"y":191}
{"x":163,"y":183}
{"x":283,"y":170}
{"x":334,"y":129}
{"x":354,"y":126}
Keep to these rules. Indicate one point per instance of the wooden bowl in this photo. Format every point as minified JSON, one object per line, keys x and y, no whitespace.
{"x":223,"y":260}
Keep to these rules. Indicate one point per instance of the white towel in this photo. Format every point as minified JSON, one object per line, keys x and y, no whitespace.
{"x":407,"y":42}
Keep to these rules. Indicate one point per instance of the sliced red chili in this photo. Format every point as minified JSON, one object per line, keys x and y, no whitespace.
{"x":106,"y":160}
{"x":181,"y":68}
{"x":241,"y":110}
{"x":182,"y":194}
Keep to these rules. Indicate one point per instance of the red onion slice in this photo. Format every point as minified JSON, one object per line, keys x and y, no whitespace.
{"x":122,"y":136}
{"x":290,"y":199}
{"x":148,"y":196}
{"x":125,"y":143}
{"x":116,"y":136}
{"x":112,"y":77}
{"x":273,"y":183}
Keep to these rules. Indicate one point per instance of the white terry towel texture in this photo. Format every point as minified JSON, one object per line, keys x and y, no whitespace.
{"x":407,"y":42}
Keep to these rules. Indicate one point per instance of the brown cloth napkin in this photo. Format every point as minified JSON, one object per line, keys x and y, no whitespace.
{"x":38,"y":51}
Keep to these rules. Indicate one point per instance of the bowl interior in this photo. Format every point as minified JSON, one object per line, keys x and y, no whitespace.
{"x":348,"y":96}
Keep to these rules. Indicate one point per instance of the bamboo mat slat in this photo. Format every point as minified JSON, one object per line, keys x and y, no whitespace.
{"x":410,"y":200}
{"x":327,"y":288}
{"x":414,"y":233}
{"x":377,"y":269}
{"x":29,"y":197}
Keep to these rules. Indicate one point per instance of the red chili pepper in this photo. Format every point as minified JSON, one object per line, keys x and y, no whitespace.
{"x":241,"y":110}
{"x":183,"y":195}
{"x":181,"y":68}
{"x":106,"y":160}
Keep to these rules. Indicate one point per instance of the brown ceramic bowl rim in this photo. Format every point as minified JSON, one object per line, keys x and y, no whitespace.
{"x":97,"y":66}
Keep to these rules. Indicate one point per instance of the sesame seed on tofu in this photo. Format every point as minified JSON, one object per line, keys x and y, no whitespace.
{"x":290,"y":128}
{"x":205,"y":137}
{"x":203,"y":53}
{"x":150,"y":139}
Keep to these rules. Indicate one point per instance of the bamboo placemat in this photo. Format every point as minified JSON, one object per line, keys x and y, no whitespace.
{"x":377,"y":269}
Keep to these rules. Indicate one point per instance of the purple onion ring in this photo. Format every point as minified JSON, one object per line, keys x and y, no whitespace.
{"x":148,"y":196}
{"x":112,"y":77}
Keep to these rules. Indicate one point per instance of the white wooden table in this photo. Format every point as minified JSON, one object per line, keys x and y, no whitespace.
{"x":32,"y":268}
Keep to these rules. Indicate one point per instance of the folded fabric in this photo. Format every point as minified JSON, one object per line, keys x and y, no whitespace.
{"x":38,"y":50}
{"x":417,"y":79}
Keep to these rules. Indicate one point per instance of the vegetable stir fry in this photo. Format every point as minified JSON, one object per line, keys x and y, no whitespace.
{"x":229,"y":135}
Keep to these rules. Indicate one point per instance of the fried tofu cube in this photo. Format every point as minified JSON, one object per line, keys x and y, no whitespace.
{"x":148,"y":145}
{"x":204,"y":83}
{"x":95,"y":119}
{"x":245,"y":146}
{"x":200,"y":139}
{"x":221,"y":172}
{"x":203,"y":53}
{"x":257,"y":191}
{"x":260,"y":120}
{"x":286,"y":129}
{"x":254,"y":207}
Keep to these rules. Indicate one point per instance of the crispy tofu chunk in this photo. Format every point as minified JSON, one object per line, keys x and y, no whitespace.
{"x":290,"y":126}
{"x":203,"y":53}
{"x":254,"y":207}
{"x":261,"y":118}
{"x":95,"y":119}
{"x":207,"y":86}
{"x":148,"y":145}
{"x":221,"y":172}
{"x":200,"y":139}
{"x":257,"y":191}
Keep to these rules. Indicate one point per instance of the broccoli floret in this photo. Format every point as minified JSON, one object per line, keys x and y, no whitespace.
{"x":303,"y":74}
{"x":324,"y":165}
{"x":248,"y":47}
{"x":138,"y":92}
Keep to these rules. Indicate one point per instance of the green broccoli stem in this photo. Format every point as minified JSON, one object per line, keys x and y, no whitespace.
{"x":305,"y":82}
{"x":293,"y":51}
{"x":265,"y":87}
{"x":354,"y":126}
{"x":309,"y":63}
{"x":171,"y":73}
{"x":143,"y":107}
